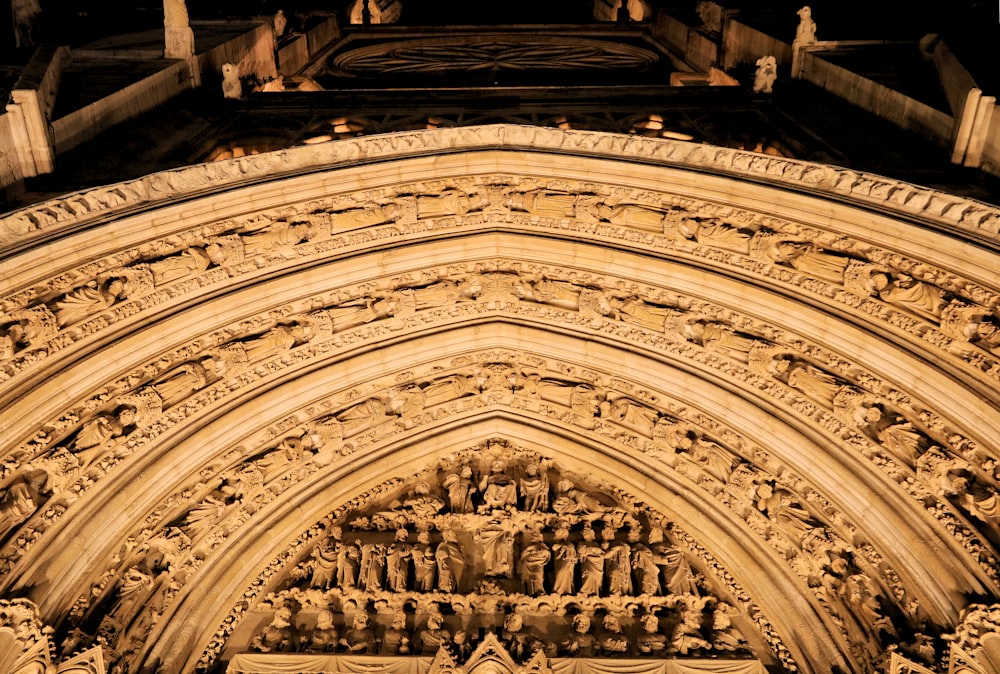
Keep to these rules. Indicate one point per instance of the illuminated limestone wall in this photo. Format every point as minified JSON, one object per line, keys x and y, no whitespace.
{"x":794,"y":367}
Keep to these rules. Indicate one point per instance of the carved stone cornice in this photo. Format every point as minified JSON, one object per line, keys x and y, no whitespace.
{"x":60,"y":215}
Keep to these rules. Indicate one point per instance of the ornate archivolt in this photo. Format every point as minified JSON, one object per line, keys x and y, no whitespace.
{"x":801,"y":391}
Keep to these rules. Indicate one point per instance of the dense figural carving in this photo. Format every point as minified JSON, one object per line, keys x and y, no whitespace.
{"x":277,"y":637}
{"x":89,"y":300}
{"x":913,"y":442}
{"x":896,"y":428}
{"x":273,"y":237}
{"x":20,"y":496}
{"x":690,"y":451}
{"x":806,"y":257}
{"x":497,"y":569}
{"x":25,"y":329}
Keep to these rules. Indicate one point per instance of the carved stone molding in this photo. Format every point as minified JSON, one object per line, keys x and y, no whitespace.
{"x":974,"y":218}
{"x":819,"y":384}
{"x":953,"y":316}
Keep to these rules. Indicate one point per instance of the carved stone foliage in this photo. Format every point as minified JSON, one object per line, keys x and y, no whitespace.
{"x":499,"y":541}
{"x":26,"y":646}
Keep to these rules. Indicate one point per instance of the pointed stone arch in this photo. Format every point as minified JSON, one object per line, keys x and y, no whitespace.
{"x":818,"y":339}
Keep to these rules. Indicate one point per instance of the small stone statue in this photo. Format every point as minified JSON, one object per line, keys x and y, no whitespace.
{"x":724,"y":635}
{"x":324,"y":636}
{"x":498,"y":548}
{"x":581,"y":643}
{"x":348,"y":560}
{"x":515,"y":639}
{"x":450,"y":562}
{"x":372,"y":567}
{"x":591,"y":558}
{"x":564,"y":554}
{"x":766,"y":74}
{"x":433,"y":636}
{"x":277,"y":636}
{"x":324,"y":572}
{"x":651,"y":641}
{"x":460,"y":490}
{"x":687,"y":635}
{"x":498,"y":489}
{"x":397,"y":562}
{"x":360,"y":638}
{"x":461,"y":649}
{"x":396,"y":640}
{"x":805,"y":33}
{"x":535,"y":489}
{"x":280,"y":23}
{"x":534,"y":559}
{"x":231,"y":86}
{"x":424,"y":563}
{"x":617,"y":564}
{"x":612,"y":640}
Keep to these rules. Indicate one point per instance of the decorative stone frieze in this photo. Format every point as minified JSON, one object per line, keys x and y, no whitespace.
{"x":975,"y":218}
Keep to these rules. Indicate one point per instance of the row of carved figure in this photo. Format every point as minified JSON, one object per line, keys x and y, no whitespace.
{"x":784,"y":512}
{"x":691,"y":628}
{"x":142,"y":407}
{"x":557,"y":566}
{"x":961,"y":318}
{"x":854,"y":406}
{"x":499,"y":492}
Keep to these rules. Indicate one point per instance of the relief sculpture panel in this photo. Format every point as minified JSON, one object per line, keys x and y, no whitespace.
{"x":498,"y":541}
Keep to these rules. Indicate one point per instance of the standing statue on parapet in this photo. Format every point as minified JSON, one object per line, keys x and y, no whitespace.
{"x":280,"y":23}
{"x":231,"y":86}
{"x":806,"y":31}
{"x":767,"y":73}
{"x":26,"y":13}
